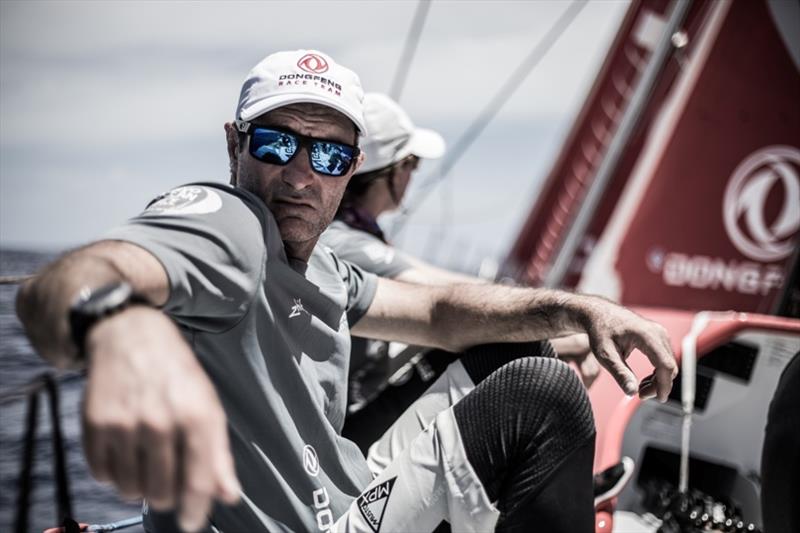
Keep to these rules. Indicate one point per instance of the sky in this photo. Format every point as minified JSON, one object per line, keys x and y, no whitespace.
{"x":104,"y":105}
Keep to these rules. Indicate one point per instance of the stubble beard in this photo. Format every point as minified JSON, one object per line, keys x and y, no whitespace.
{"x":296,"y":229}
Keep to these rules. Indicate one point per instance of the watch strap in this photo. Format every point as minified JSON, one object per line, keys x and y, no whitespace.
{"x":94,"y":304}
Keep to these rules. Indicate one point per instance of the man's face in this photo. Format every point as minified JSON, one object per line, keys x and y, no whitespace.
{"x":302,"y":201}
{"x":402,"y":176}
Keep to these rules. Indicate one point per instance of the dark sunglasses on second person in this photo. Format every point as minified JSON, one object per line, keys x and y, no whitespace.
{"x":278,"y":147}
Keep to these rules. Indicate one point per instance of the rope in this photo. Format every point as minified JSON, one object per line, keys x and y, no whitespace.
{"x":14,"y":280}
{"x":493,"y":107}
{"x":412,"y":40}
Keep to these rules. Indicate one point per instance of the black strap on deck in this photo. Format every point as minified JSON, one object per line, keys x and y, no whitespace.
{"x":46,"y":383}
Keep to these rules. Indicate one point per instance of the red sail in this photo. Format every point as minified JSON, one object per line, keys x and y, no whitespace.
{"x":703,"y":209}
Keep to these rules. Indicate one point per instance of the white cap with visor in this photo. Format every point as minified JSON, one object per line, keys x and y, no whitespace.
{"x":301,"y":76}
{"x":392,"y":136}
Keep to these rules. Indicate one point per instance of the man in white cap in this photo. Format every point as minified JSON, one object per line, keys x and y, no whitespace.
{"x":392,"y":149}
{"x":378,"y":392}
{"x":216,"y":337}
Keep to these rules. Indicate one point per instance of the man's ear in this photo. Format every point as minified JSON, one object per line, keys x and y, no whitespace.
{"x":360,"y":161}
{"x":232,"y":139}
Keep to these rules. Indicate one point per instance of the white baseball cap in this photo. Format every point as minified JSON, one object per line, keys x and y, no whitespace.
{"x":392,"y":136}
{"x":301,"y":76}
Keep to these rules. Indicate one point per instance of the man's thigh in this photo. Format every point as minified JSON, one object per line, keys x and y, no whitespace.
{"x":457,"y":381}
{"x":430,"y":480}
{"x":446,"y":391}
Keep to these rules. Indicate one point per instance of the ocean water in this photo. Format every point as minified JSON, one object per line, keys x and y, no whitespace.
{"x":92,"y":502}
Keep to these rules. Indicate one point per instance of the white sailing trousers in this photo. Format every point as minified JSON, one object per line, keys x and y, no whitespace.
{"x":422,"y":472}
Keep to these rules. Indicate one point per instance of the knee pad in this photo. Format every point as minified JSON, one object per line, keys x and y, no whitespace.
{"x":524,"y":419}
{"x":480,"y":361}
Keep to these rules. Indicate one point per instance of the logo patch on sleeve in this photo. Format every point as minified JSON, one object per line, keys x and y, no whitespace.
{"x":192,"y":200}
{"x":379,"y":253}
{"x":372,"y":503}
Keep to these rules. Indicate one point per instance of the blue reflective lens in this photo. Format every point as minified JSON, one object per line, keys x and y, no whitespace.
{"x":279,"y":147}
{"x":273,"y":146}
{"x":331,"y":158}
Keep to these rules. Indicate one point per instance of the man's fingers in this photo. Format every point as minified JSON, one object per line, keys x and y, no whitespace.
{"x":123,"y":460}
{"x":608,"y":356}
{"x":95,"y":449}
{"x":663,"y":383}
{"x":226,"y":484}
{"x":94,"y":443}
{"x":589,"y":370}
{"x":195,"y":507}
{"x":208,"y":471}
{"x":228,"y":487}
{"x":659,"y":352}
{"x":197,"y":485}
{"x":158,"y":466}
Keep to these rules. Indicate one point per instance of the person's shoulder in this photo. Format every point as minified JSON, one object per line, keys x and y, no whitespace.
{"x":336,"y":234}
{"x":324,"y":257}
{"x":339,"y":234}
{"x":212,"y":202}
{"x":203,"y":198}
{"x":215,"y":209}
{"x":338,"y":228}
{"x":326,"y":260}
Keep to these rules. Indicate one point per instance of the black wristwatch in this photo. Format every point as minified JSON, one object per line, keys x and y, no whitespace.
{"x":92,"y":305}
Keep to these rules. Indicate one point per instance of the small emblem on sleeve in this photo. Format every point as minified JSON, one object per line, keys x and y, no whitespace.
{"x":379,"y":253}
{"x":372,"y":503}
{"x":192,"y":200}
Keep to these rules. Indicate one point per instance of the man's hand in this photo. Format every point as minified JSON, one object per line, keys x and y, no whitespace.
{"x":575,"y":350}
{"x":614,"y":332}
{"x":153,"y":424}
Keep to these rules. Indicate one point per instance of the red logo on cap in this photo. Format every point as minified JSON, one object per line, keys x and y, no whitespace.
{"x":313,"y":63}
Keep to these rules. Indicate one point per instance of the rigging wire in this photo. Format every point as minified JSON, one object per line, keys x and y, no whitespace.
{"x":410,"y":48}
{"x":490,"y":111}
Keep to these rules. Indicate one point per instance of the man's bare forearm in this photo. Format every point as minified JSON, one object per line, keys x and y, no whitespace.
{"x":425,"y":274}
{"x":474,"y":314}
{"x":458,"y":316}
{"x":43,"y":302}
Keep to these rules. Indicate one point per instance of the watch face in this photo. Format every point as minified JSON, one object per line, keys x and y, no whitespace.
{"x":93,"y":305}
{"x":105,"y":298}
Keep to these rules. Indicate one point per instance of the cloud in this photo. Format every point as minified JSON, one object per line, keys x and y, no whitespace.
{"x":135,"y":93}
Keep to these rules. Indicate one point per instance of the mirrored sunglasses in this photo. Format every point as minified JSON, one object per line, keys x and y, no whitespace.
{"x":278,"y":146}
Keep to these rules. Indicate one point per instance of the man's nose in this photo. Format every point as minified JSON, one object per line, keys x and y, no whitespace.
{"x":299,"y":173}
